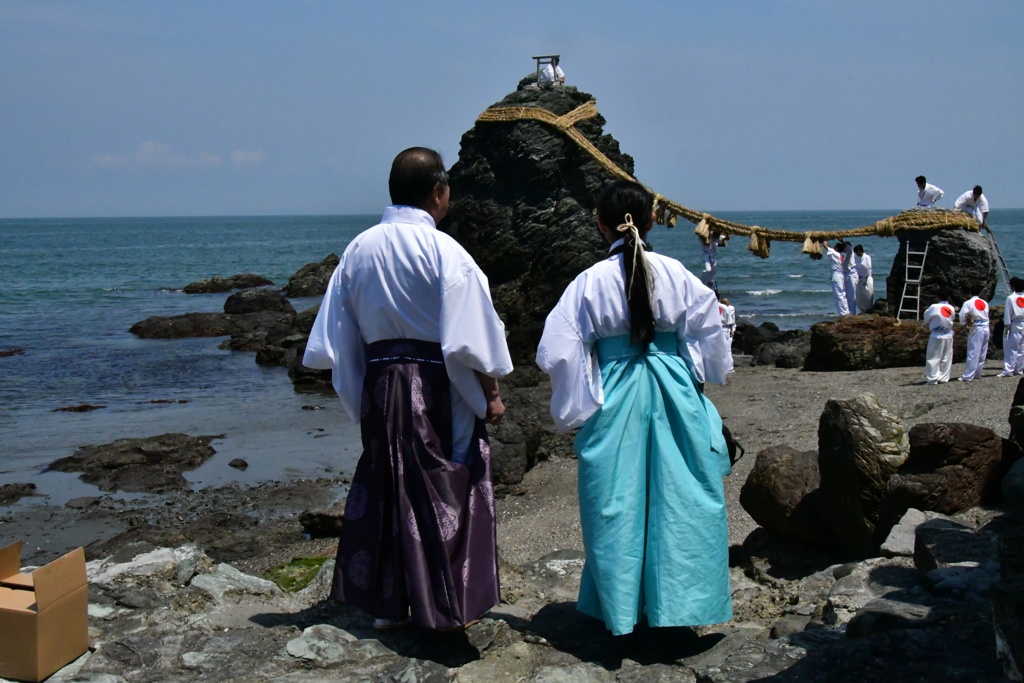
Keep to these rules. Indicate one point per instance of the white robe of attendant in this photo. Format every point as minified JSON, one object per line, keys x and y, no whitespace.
{"x":850,"y":278}
{"x":968,"y":204}
{"x":1013,"y":342}
{"x":835,"y":261}
{"x":404,"y":279}
{"x":594,"y":306}
{"x":709,"y":257}
{"x":865,"y":284}
{"x":939,"y":356}
{"x":929,"y":195}
{"x":974,"y":316}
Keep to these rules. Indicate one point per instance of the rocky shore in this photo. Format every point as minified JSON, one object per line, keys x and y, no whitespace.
{"x":176,"y":593}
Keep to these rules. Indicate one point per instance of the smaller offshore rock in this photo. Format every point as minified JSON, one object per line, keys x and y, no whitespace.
{"x":312,"y":278}
{"x":152,"y":464}
{"x":257,"y":300}
{"x":12,"y":493}
{"x":217,"y":284}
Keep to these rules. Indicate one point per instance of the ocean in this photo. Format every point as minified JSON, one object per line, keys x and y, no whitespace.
{"x":73,"y":287}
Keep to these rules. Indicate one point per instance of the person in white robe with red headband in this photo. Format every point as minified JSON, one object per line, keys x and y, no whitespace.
{"x":974,"y":316}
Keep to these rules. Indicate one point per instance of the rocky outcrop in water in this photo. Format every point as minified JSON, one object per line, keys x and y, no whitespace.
{"x":312,"y":278}
{"x":522,"y":203}
{"x":152,"y":464}
{"x":960,"y":260}
{"x":217,"y":284}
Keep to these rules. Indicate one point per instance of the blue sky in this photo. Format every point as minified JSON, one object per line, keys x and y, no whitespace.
{"x":208,"y":108}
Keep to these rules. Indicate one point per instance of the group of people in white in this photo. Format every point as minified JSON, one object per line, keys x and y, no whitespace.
{"x":974,"y":316}
{"x":972,"y":202}
{"x":853,"y":287}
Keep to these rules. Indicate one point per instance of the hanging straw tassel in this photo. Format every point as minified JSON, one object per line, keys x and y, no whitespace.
{"x":672,"y":218}
{"x":754,"y":245}
{"x":766,"y":248}
{"x":702,"y":230}
{"x":812,"y":247}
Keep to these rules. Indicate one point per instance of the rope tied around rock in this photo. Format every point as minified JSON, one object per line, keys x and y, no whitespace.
{"x":667,"y":212}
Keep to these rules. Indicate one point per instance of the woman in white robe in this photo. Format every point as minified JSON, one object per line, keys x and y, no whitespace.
{"x":630,"y":370}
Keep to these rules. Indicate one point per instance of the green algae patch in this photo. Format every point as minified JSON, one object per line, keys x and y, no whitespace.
{"x":296,"y":574}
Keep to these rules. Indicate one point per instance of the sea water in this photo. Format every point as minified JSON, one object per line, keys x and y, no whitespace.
{"x":71,"y":289}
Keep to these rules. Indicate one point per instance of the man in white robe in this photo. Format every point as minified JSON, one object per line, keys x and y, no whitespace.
{"x":551,"y":74}
{"x":939,"y":355}
{"x":973,"y":202}
{"x":927,"y":194}
{"x":865,"y":281}
{"x":1013,"y":341}
{"x":835,"y":262}
{"x":728,"y":313}
{"x":409,"y":311}
{"x":709,"y":257}
{"x":849,"y":275}
{"x":974,"y":316}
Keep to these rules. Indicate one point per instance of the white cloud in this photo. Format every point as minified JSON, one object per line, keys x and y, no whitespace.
{"x":243,"y":158}
{"x":158,"y":154}
{"x":208,"y":159}
{"x":111,"y":161}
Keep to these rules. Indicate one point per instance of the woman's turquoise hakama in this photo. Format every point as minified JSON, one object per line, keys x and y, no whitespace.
{"x":652,"y":502}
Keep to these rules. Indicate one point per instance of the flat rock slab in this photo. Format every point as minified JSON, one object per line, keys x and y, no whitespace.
{"x":151,"y":464}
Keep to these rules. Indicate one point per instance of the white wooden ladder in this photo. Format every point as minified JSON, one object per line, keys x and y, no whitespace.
{"x":912,"y":281}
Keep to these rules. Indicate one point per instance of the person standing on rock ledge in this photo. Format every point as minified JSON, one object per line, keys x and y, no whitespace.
{"x":865,"y":281}
{"x":627,"y":346}
{"x":939,"y":355}
{"x":415,"y":347}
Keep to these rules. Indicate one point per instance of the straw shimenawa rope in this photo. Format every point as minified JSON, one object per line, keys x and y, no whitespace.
{"x":666,"y":211}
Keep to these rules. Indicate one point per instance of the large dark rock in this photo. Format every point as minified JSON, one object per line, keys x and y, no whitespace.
{"x":312,"y":278}
{"x":788,"y":350}
{"x":860,"y":446}
{"x":868,"y":342}
{"x":951,"y":467}
{"x":152,"y":464}
{"x":522,"y":203}
{"x":225,"y":284}
{"x":256,"y":300}
{"x":781,"y":494}
{"x":960,"y":260}
{"x":749,"y":338}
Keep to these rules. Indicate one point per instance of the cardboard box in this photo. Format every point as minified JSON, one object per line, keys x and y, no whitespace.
{"x":43,"y":615}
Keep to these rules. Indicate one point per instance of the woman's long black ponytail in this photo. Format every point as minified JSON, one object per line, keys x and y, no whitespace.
{"x":625,"y":208}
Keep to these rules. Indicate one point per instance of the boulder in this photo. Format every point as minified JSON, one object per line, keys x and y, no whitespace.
{"x":218,"y":284}
{"x":860,"y":446}
{"x":256,"y":300}
{"x":788,"y":350}
{"x":951,"y":467}
{"x":152,"y":464}
{"x":749,"y":338}
{"x":868,"y":342}
{"x":780,"y":493}
{"x":312,"y":278}
{"x":522,"y":203}
{"x":205,"y":325}
{"x":962,"y":261}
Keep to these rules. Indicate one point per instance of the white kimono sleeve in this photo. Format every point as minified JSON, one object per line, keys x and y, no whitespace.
{"x":472,"y":336}
{"x":335,"y":343}
{"x":565,"y":355}
{"x":704,"y":337}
